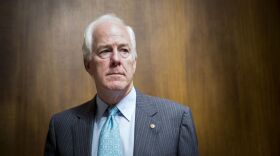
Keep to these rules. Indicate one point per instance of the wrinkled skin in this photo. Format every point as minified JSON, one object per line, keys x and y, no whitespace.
{"x":114,"y":75}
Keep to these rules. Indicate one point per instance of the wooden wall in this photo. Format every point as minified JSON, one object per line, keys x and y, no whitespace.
{"x":219,"y":57}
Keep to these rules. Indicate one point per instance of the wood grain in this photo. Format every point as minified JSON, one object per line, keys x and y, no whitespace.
{"x":221,"y":58}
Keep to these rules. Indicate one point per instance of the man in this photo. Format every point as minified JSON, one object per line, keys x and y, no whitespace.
{"x":119,"y":120}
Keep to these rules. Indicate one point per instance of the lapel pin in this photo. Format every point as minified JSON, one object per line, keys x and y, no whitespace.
{"x":152,"y":125}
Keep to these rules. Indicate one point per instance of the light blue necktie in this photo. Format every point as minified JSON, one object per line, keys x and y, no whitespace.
{"x":109,"y":139}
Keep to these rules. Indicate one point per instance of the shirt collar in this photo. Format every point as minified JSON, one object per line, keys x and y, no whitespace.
{"x":126,"y":106}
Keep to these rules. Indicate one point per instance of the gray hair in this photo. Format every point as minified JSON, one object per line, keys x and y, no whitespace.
{"x":88,"y":34}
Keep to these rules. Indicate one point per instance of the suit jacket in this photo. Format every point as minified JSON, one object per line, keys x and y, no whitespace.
{"x":70,"y":132}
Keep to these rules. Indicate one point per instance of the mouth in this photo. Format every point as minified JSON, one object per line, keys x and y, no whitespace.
{"x":115,"y":74}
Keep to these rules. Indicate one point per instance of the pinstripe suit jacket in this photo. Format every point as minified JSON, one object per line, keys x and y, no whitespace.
{"x":70,"y":132}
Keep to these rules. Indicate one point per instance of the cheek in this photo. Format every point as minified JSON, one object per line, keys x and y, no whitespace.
{"x":101,"y":70}
{"x":98,"y":68}
{"x":131,"y":67}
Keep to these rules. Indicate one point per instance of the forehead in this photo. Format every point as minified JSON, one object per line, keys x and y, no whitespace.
{"x":108,"y":33}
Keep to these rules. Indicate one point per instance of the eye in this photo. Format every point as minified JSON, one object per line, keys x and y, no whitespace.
{"x":124,"y":50}
{"x":104,"y":53}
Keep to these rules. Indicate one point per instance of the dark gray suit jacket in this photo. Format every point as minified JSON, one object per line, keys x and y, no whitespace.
{"x":70,"y":132}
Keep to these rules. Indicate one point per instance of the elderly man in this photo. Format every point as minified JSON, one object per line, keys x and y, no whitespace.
{"x":119,"y":120}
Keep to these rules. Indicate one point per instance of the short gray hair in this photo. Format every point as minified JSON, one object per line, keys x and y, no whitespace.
{"x":88,"y":34}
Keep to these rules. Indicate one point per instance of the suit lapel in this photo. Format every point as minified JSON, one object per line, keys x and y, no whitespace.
{"x":82,"y":130}
{"x":147,"y":126}
{"x":145,"y":135}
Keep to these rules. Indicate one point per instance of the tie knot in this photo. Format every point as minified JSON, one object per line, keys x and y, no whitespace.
{"x":113,"y":111}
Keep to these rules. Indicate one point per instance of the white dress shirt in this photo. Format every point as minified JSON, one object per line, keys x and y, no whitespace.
{"x":126,"y":121}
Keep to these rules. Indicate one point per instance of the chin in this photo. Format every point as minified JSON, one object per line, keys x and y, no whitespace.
{"x":117,"y":86}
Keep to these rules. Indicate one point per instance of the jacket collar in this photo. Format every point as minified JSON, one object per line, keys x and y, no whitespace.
{"x":144,"y":136}
{"x":144,"y":104}
{"x":147,"y":126}
{"x":82,"y":128}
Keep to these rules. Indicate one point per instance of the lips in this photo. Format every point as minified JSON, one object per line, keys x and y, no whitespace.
{"x":115,"y":73}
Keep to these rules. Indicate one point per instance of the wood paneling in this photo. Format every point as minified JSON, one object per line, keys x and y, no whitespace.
{"x":221,"y":58}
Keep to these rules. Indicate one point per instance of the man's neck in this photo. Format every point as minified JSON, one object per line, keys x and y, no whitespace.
{"x":112,"y":97}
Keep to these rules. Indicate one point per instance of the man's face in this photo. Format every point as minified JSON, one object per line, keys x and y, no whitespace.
{"x":112,"y":63}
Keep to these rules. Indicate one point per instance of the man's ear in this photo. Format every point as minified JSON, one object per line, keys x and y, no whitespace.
{"x":134,"y":65}
{"x":87,"y":65}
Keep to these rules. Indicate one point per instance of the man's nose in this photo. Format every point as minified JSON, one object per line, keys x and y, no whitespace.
{"x":115,"y":57}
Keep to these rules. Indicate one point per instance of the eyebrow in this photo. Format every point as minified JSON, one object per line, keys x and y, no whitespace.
{"x":109,"y":46}
{"x":103,"y":46}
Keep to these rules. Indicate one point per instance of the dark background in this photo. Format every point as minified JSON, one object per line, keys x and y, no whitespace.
{"x":220,"y":57}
